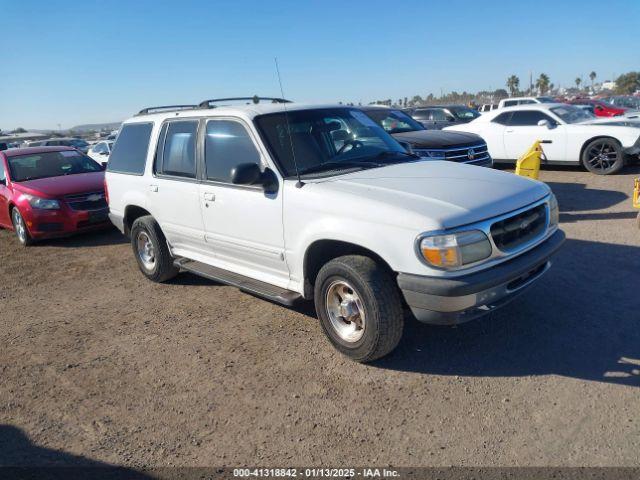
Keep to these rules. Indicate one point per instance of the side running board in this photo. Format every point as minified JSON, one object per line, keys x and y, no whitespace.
{"x":245,"y":284}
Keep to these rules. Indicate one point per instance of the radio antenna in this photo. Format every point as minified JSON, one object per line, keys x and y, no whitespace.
{"x":299,"y":184}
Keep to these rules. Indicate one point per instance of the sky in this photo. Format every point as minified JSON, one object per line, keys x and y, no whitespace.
{"x":75,"y":62}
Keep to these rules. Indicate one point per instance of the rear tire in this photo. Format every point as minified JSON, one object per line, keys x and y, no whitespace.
{"x":603,"y":156}
{"x":20,"y":227}
{"x":151,"y":250}
{"x":359,"y":307}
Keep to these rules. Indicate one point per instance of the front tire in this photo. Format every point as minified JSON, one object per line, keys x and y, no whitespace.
{"x":359,"y":307}
{"x":151,"y":250}
{"x":20,"y":227}
{"x":603,"y":156}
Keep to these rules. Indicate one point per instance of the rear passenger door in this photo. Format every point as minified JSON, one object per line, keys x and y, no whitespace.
{"x":243,"y":224}
{"x":172,"y":196}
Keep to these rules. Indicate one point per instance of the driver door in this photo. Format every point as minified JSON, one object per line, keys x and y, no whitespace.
{"x":523,"y":130}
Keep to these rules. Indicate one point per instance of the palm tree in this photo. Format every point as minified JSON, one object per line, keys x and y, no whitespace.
{"x":513,"y":82}
{"x":578,"y":82}
{"x":592,"y":76}
{"x":542,"y":83}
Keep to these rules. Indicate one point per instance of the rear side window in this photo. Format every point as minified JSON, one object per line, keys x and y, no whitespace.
{"x":130,"y":150}
{"x":227,"y":145}
{"x":179,"y":152}
{"x":527,"y":118}
{"x":502,"y":119}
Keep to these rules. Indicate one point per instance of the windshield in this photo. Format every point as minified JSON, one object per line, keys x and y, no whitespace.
{"x":572,"y":114}
{"x":50,"y":164}
{"x":464,"y":113}
{"x":394,"y":121}
{"x":324,"y":140}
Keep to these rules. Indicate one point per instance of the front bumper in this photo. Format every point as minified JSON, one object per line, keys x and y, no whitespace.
{"x":449,"y":301}
{"x":65,"y":221}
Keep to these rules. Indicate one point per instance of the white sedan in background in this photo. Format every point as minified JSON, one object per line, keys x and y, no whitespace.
{"x":100,"y":151}
{"x":571,"y":135}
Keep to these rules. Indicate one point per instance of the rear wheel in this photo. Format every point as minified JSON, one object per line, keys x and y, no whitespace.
{"x":151,"y":250}
{"x":359,"y":307}
{"x":603,"y":156}
{"x":20,"y":227}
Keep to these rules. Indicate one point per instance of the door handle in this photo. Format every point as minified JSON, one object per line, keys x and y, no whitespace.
{"x":153,"y":188}
{"x":509,"y":131}
{"x":210,"y":197}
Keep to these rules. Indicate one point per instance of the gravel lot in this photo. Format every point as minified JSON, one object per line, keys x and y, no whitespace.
{"x":100,"y":365}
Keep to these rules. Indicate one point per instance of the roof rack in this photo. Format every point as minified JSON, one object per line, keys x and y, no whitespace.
{"x":166,"y":108}
{"x":255,"y":99}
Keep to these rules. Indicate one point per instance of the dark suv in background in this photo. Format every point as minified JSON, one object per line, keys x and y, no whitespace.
{"x":76,"y":143}
{"x":458,"y":147}
{"x":437,"y":117}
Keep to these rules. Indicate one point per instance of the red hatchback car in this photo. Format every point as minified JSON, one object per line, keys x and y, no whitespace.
{"x":50,"y":192}
{"x":601,"y":109}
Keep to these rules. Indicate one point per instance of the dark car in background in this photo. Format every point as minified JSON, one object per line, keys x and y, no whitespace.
{"x":77,"y":143}
{"x":437,"y":117}
{"x":437,"y":145}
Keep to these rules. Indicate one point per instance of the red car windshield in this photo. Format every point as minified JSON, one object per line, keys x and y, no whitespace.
{"x":50,"y":164}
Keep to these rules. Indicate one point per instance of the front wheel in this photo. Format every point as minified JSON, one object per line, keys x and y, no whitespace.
{"x":151,"y":250}
{"x":20,"y":227}
{"x":603,"y":156}
{"x":359,"y":307}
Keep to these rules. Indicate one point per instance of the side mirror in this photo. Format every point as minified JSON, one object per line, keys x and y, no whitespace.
{"x":545,"y":123}
{"x":3,"y":146}
{"x":406,"y":146}
{"x":3,"y":181}
{"x":451,"y":119}
{"x":104,"y":153}
{"x":250,"y":174}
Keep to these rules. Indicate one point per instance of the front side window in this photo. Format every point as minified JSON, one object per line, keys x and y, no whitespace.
{"x":50,"y":164}
{"x":528,"y":118}
{"x":179,"y":152}
{"x":394,"y":121}
{"x":227,"y":144}
{"x":327,"y":140}
{"x":424,"y":114}
{"x":129,"y":153}
{"x":3,"y":175}
{"x":440,"y":115}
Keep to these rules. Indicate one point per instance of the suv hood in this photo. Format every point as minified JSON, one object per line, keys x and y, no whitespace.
{"x":433,"y":194}
{"x":438,"y":139}
{"x":56,"y":187}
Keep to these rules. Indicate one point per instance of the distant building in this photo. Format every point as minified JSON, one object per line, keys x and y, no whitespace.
{"x":608,"y":85}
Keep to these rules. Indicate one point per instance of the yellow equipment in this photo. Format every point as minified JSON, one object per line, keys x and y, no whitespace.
{"x":636,"y":194}
{"x":528,"y":165}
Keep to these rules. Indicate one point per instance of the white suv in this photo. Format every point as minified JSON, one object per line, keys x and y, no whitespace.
{"x":319,"y":202}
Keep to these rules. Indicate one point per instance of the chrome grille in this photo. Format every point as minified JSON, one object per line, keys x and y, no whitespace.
{"x":468,"y":154}
{"x":87,"y":201}
{"x":513,"y":232}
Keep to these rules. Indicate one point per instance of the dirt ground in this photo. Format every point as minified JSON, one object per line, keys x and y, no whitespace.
{"x":98,"y":364}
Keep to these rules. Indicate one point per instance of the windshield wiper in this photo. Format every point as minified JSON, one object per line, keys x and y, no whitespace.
{"x":388,"y":153}
{"x":339,"y":164}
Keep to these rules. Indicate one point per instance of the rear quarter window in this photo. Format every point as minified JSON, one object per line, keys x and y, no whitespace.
{"x":129,"y":153}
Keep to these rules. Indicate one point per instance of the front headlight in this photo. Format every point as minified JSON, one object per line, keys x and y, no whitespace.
{"x":42,"y":203}
{"x":455,"y":250}
{"x":554,"y":212}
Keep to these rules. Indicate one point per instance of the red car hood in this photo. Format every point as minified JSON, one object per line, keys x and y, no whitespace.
{"x":56,"y":187}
